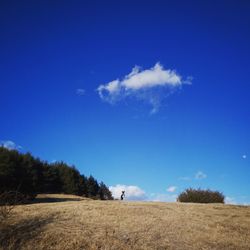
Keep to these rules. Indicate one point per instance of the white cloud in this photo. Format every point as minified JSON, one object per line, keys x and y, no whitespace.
{"x":246,"y":204}
{"x":10,"y":145}
{"x":241,"y":200}
{"x":111,"y":87}
{"x":109,"y":92}
{"x":131,"y":192}
{"x":80,"y":92}
{"x":148,"y":78}
{"x":135,"y":193}
{"x":171,"y":189}
{"x":150,"y":86}
{"x":200,"y":175}
{"x":244,"y":156}
{"x":230,"y":200}
{"x":163,"y":197}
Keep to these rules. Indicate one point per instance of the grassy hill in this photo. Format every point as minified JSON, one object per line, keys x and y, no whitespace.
{"x":72,"y":222}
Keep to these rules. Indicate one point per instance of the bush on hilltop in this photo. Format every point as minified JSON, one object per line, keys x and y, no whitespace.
{"x":201,"y":196}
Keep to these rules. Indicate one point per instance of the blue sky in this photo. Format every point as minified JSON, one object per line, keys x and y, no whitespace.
{"x":180,"y":119}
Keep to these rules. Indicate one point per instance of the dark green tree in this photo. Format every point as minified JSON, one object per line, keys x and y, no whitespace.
{"x":104,"y":192}
{"x":69,"y":177}
{"x":92,"y":186}
{"x":17,"y":173}
{"x":30,"y":176}
{"x":51,"y":180}
{"x":83,"y":185}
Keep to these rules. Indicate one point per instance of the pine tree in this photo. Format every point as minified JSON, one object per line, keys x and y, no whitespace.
{"x":92,"y":186}
{"x":104,"y":192}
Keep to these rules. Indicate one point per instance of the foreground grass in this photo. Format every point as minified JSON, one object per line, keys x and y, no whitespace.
{"x":78,"y":223}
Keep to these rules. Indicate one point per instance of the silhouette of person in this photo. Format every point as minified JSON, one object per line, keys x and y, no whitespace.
{"x":122,"y":195}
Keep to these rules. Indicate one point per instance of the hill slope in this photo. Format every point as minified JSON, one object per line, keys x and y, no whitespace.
{"x":78,"y":223}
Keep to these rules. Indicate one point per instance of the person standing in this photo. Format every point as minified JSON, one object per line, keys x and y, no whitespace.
{"x":122,"y":195}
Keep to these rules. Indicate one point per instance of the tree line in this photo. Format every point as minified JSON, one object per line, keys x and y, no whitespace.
{"x":30,"y":176}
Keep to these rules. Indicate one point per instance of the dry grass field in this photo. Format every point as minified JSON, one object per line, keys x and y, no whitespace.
{"x":71,"y":222}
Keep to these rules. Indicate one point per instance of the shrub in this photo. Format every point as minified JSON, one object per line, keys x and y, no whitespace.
{"x":8,"y":201}
{"x":201,"y":196}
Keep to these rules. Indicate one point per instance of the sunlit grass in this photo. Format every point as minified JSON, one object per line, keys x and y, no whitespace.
{"x":78,"y":223}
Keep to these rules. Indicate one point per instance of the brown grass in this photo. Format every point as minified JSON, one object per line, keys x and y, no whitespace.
{"x":78,"y":223}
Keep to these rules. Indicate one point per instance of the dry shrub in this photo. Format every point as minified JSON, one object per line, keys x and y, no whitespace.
{"x":201,"y":196}
{"x":8,"y":201}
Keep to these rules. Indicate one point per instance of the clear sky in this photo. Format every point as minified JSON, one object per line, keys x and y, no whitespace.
{"x":150,"y":96}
